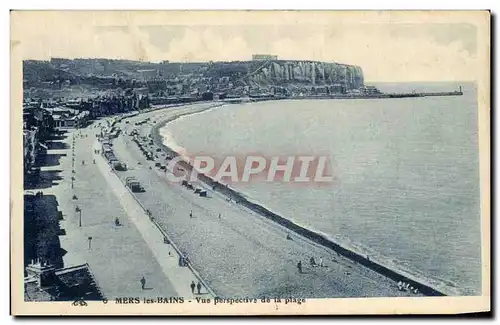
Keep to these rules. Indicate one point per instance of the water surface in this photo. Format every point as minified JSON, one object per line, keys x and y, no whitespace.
{"x":407,"y":189}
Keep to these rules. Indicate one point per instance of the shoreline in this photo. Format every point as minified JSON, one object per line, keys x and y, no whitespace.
{"x":240,"y":199}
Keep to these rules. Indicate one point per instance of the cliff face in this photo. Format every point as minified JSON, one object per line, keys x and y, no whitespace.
{"x":308,"y":72}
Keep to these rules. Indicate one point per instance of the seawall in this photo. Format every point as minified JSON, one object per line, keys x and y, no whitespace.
{"x":237,"y":197}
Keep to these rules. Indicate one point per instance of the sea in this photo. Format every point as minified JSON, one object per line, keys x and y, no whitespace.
{"x":406,"y":188}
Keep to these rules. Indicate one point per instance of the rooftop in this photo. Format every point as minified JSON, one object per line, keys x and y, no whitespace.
{"x":68,"y":284}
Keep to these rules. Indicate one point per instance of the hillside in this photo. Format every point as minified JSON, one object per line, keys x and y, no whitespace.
{"x":104,"y":73}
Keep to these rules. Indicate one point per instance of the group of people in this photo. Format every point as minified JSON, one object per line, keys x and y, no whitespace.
{"x":183,"y":261}
{"x":197,"y":286}
{"x":194,"y":286}
{"x":80,"y":135}
{"x":404,"y":286}
{"x":312,"y":262}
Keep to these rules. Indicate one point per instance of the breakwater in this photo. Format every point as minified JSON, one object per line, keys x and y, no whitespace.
{"x":375,"y":96}
{"x":238,"y":198}
{"x":239,"y":100}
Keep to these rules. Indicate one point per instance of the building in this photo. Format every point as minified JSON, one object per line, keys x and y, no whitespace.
{"x":141,"y":91}
{"x":148,"y":74}
{"x":38,"y":125}
{"x":156,"y":84}
{"x":46,"y":283}
{"x":30,"y":148}
{"x":370,"y":90}
{"x":68,"y":118}
{"x":74,"y":103}
{"x":264,"y":57}
{"x":40,"y":118}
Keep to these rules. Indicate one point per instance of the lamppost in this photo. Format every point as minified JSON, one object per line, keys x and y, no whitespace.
{"x":90,"y":242}
{"x":79,"y":211}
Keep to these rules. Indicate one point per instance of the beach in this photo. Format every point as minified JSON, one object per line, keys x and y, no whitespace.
{"x":240,"y":253}
{"x":406,"y":186}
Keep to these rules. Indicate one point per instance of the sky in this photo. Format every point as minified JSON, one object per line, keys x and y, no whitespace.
{"x":387,"y":49}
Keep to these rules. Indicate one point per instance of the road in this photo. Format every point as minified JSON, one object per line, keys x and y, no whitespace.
{"x":118,"y":256}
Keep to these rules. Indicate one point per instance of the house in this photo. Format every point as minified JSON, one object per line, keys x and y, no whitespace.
{"x":38,"y":125}
{"x":69,"y":118}
{"x":46,"y":283}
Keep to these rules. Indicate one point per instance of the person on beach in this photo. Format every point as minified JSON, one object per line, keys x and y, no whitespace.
{"x":192,"y":287}
{"x":312,"y":261}
{"x":219,"y":215}
{"x":299,"y":266}
{"x":143,"y":283}
{"x":198,"y":286}
{"x":191,"y":214}
{"x":321,"y":261}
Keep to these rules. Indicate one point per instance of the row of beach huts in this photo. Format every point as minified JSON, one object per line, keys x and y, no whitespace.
{"x":152,"y":153}
{"x":107,"y":151}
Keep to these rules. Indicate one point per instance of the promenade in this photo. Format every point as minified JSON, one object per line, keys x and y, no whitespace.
{"x":118,"y":256}
{"x":241,"y":254}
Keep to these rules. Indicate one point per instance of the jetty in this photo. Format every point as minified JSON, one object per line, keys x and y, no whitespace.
{"x":375,"y":94}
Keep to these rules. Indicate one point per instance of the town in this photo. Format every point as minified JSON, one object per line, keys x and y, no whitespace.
{"x":63,"y":94}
